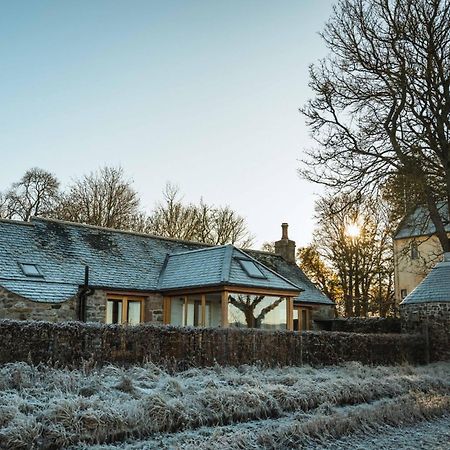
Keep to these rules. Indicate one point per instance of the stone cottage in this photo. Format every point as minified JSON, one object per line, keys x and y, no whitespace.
{"x":54,"y":270}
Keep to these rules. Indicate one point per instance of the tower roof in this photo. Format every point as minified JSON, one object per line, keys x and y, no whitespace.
{"x":435,"y":287}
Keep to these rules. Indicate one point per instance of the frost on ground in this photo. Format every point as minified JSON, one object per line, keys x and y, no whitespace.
{"x":144,"y":407}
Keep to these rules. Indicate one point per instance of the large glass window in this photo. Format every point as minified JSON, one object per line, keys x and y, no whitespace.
{"x":124,"y":310}
{"x":196,"y":310}
{"x":257,"y":311}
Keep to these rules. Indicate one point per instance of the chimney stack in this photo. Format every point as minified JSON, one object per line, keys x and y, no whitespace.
{"x":285,"y":247}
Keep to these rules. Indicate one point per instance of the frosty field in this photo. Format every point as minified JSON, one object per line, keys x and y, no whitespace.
{"x":144,"y":407}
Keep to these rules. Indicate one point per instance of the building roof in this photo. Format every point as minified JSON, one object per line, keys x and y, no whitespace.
{"x":418,"y":222}
{"x":223,"y":265}
{"x":292,"y":272}
{"x":435,"y":287}
{"x":117,"y":260}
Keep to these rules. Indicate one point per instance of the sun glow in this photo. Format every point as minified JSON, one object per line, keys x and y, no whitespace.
{"x":352,"y":230}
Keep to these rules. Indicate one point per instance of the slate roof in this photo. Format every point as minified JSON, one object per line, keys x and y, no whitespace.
{"x":418,"y":222}
{"x":216,"y":266}
{"x":293,"y":273}
{"x":435,"y":287}
{"x":117,"y":259}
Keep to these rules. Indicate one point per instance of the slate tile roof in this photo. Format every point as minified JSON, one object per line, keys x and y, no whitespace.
{"x":418,"y":223}
{"x":217,"y":266}
{"x":310,"y":294}
{"x":435,"y":287}
{"x":117,"y":260}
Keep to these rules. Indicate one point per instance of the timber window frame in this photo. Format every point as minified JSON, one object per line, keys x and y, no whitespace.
{"x":120,"y":309}
{"x":223,"y":297}
{"x":303,"y":320}
{"x":199,"y":309}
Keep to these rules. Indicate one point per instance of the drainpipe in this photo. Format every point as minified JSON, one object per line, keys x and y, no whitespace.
{"x":84,"y":292}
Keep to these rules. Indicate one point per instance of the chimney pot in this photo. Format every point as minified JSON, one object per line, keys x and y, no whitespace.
{"x":284,"y":230}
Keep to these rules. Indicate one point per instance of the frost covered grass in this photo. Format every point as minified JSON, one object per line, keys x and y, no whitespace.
{"x":219,"y":407}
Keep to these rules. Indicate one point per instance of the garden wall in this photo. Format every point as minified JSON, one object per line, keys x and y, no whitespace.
{"x":72,"y":342}
{"x":433,"y":321}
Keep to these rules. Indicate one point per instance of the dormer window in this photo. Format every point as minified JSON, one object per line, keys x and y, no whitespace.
{"x":250,"y":268}
{"x":31,"y":270}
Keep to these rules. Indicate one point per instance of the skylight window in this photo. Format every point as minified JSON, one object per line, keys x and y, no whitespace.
{"x":251,"y":269}
{"x":31,"y":270}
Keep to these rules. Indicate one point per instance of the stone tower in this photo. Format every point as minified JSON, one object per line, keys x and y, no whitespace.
{"x":427,"y":309}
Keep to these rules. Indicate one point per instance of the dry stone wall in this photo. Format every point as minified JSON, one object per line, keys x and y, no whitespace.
{"x":73,"y":342}
{"x":433,"y":320}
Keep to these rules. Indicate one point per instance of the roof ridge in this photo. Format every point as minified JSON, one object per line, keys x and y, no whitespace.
{"x":117,"y":230}
{"x":262,"y":252}
{"x":226,"y":263}
{"x":212,"y":247}
{"x":16,"y":222}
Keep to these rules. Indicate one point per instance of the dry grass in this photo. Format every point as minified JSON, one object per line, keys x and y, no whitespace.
{"x":46,"y":408}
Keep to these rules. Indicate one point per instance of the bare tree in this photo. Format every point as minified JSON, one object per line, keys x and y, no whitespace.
{"x":34,"y":195}
{"x":247,"y":304}
{"x":354,"y":248}
{"x":202,"y":222}
{"x":173,"y":218}
{"x":382,"y":100}
{"x":3,"y":207}
{"x":104,"y":198}
{"x":313,"y":265}
{"x":268,"y":246}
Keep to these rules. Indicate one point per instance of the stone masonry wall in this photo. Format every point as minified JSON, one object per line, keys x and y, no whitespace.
{"x":96,"y":307}
{"x":432,"y":319}
{"x":12,"y":306}
{"x":323,"y":312}
{"x":74,"y":342}
{"x":154,"y":309}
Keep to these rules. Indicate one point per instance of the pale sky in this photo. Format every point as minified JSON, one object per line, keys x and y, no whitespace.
{"x":204,"y":94}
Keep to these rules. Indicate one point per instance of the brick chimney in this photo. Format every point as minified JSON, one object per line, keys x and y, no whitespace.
{"x":285,"y":247}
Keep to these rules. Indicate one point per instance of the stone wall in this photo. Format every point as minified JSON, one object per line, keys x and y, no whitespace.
{"x":433,"y":320}
{"x":154,"y":309}
{"x":73,"y":342}
{"x":12,"y":306}
{"x":96,"y":307}
{"x":323,"y":312}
